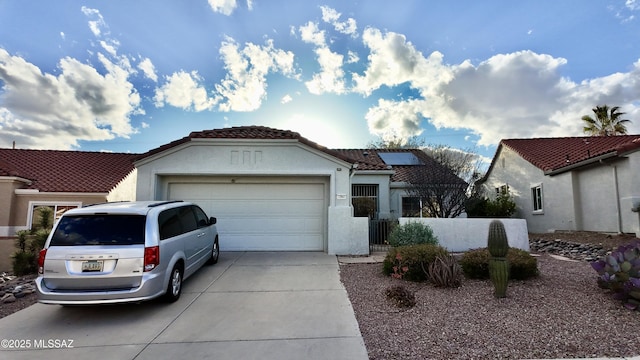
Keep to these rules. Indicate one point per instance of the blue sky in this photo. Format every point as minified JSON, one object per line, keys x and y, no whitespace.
{"x":128,"y":76}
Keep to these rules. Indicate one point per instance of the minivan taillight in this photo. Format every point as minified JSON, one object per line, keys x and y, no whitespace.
{"x":41,"y":256}
{"x":151,"y":257}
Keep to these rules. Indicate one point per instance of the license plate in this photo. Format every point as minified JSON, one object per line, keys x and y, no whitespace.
{"x":92,"y":265}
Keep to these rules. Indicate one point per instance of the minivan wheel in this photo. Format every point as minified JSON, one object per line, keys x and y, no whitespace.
{"x":174,"y":289}
{"x":215,"y":252}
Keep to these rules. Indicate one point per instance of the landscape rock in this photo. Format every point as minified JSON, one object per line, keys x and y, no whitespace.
{"x":576,"y":251}
{"x":8,"y":298}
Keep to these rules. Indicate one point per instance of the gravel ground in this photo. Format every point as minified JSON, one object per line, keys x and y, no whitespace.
{"x":560,"y":314}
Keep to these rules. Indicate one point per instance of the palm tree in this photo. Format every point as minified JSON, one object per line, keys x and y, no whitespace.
{"x":608,"y":122}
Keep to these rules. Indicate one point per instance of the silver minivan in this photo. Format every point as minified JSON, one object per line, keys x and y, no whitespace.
{"x":125,"y":252}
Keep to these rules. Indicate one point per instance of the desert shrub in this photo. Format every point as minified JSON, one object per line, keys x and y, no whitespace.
{"x":444,"y":271}
{"x":401,"y":296}
{"x":29,"y":243}
{"x":620,"y":273}
{"x":503,"y":206}
{"x":24,"y":263}
{"x":412,"y":233}
{"x":522,"y":266}
{"x":407,"y":262}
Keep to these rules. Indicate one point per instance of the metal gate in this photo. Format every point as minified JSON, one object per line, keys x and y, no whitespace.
{"x":378,"y":234}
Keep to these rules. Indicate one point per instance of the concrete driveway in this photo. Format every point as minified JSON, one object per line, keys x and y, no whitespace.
{"x":266,"y":305}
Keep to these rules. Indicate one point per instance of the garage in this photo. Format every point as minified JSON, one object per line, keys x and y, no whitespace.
{"x":260,"y":213}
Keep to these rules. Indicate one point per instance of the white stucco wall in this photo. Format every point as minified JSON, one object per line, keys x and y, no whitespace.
{"x":349,"y":235}
{"x":521,"y":176}
{"x":459,"y":235}
{"x":232,"y":157}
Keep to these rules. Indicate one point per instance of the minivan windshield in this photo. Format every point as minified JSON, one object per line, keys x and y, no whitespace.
{"x":75,"y":230}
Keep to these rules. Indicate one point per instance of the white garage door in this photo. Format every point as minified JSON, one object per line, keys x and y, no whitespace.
{"x":261,"y":216}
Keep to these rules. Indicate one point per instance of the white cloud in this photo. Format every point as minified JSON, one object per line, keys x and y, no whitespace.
{"x":245,"y":85}
{"x":353,"y":57}
{"x":393,"y":61}
{"x":286,"y":99}
{"x":521,"y":94}
{"x":110,"y":47}
{"x":41,"y":110}
{"x":310,"y":33}
{"x":224,"y":7}
{"x":97,"y":25}
{"x":395,"y":119}
{"x":332,"y":17}
{"x":184,"y":90}
{"x":148,"y":69}
{"x":330,"y":79}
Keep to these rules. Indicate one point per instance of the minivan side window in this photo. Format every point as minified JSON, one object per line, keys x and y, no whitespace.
{"x":188,"y":219}
{"x":169,"y":224}
{"x":203,"y":220}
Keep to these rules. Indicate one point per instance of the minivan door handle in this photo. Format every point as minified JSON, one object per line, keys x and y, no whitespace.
{"x":201,"y":234}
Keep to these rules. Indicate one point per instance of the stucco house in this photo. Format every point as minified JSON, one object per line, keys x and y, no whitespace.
{"x":270,"y":189}
{"x":571,"y":183}
{"x":276,"y":190}
{"x":60,"y":180}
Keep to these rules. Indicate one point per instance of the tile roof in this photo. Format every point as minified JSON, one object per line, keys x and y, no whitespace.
{"x":67,"y":171}
{"x":243,"y":132}
{"x":430,"y":171}
{"x":554,"y":154}
{"x":365,"y":159}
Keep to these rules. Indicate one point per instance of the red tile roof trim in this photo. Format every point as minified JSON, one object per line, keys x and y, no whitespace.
{"x":245,"y":132}
{"x":553,"y":155}
{"x":67,"y":171}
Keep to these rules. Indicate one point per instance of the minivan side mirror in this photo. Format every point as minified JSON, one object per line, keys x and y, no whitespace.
{"x":212,"y":220}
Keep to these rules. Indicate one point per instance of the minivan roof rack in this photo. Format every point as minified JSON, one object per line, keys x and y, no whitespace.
{"x":164,"y":203}
{"x":106,"y":202}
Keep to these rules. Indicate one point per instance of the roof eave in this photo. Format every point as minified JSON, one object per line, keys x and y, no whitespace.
{"x":581,"y":164}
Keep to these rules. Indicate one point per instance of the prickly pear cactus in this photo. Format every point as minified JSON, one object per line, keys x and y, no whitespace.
{"x":498,"y":245}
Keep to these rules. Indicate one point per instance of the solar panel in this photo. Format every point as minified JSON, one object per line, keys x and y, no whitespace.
{"x":399,"y":158}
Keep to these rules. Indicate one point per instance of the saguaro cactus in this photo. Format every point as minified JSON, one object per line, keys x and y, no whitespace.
{"x":498,"y":245}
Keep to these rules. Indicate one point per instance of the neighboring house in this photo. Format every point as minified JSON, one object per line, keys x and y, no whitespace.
{"x":389,"y":176}
{"x":269,"y":189}
{"x":60,"y":180}
{"x":578,"y":183}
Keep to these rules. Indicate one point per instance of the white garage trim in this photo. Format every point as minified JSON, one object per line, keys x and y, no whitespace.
{"x":260,"y":213}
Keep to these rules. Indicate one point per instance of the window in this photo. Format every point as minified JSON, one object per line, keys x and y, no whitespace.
{"x":536,"y":197}
{"x":502,"y":190}
{"x":412,"y":207}
{"x":53,"y":210}
{"x":169,"y":224}
{"x":364,"y":199}
{"x":82,"y":230}
{"x":203,"y":220}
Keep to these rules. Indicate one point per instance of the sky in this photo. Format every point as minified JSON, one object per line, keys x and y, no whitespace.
{"x":129,"y":76}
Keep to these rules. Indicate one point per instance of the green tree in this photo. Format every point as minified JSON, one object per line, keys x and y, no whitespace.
{"x":607,"y":122}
